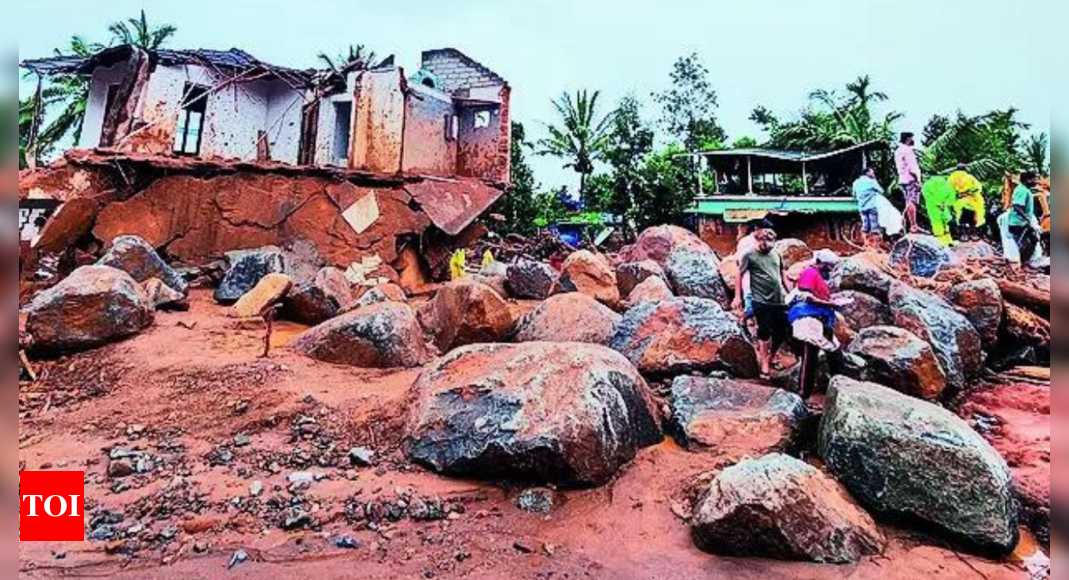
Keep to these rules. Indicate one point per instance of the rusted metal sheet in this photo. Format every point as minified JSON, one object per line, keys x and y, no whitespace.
{"x":452,"y":205}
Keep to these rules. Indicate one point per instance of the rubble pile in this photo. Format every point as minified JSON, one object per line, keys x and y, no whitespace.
{"x":533,"y":376}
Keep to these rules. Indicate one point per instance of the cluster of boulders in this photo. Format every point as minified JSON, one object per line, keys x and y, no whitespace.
{"x":556,"y":393}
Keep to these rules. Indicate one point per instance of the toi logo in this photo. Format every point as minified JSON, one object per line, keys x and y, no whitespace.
{"x":52,"y":506}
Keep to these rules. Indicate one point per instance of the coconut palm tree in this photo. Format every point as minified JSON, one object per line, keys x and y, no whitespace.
{"x":355,"y":53}
{"x":1038,"y":152}
{"x":67,"y":93}
{"x":582,"y":136}
{"x":851,"y":118}
{"x":137,"y":32}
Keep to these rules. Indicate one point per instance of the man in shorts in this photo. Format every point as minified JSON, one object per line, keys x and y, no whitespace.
{"x":909,"y":178}
{"x":765,"y":268}
{"x":868,"y":192}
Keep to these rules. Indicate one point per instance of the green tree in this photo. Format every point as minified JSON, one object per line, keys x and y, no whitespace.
{"x":1037,"y":150}
{"x":64,"y":100}
{"x":666,"y":189}
{"x":630,"y":142}
{"x":354,"y":53}
{"x":744,"y":143}
{"x":690,"y":105}
{"x":832,"y":120}
{"x":991,"y":145}
{"x":581,"y":136}
{"x":139,"y":33}
{"x":518,"y":205}
{"x":26,"y":109}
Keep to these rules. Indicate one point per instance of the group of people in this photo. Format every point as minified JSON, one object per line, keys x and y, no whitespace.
{"x":954,"y":203}
{"x":804,"y":315}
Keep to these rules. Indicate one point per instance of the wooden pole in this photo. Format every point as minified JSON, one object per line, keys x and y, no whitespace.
{"x":32,"y":158}
{"x":749,"y":172}
{"x":701,"y":186}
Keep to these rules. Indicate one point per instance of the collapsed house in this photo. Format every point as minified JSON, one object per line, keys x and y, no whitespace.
{"x":203,"y":152}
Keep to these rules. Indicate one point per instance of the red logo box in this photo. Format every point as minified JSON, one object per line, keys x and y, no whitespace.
{"x":52,"y":506}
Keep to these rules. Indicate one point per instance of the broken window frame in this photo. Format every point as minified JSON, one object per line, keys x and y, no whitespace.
{"x":477,"y":119}
{"x":195,"y":102}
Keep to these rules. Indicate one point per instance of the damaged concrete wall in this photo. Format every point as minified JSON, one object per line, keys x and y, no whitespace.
{"x":334,"y":132}
{"x":236,"y":114}
{"x":457,"y":72}
{"x":283,"y":123}
{"x":485,"y":140}
{"x":378,"y":121}
{"x":103,"y":79}
{"x":429,"y":146}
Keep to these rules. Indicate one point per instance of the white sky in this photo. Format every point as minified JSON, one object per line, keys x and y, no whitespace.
{"x":929,"y":55}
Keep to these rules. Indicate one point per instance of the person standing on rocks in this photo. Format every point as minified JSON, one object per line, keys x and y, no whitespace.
{"x":767,"y":287}
{"x":868,"y":192}
{"x":909,"y":179}
{"x":1024,"y":226}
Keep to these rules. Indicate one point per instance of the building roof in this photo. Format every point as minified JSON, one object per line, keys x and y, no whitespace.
{"x":778,"y":161}
{"x":743,"y":208}
{"x":229,"y":60}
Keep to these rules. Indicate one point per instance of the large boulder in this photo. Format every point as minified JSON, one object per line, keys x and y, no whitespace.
{"x":863,"y":311}
{"x":693,"y":268}
{"x":982,"y":303}
{"x":912,"y":461}
{"x":555,"y":413}
{"x":898,"y":359}
{"x":778,"y":507}
{"x":380,"y":336}
{"x":862,"y":273}
{"x":94,"y":306}
{"x":631,"y":274}
{"x":793,"y":252}
{"x":388,"y":292}
{"x":956,"y":343}
{"x":327,"y":295}
{"x":531,"y":280}
{"x":923,"y":256}
{"x":659,"y":243}
{"x":268,"y":292}
{"x":683,"y":335}
{"x":590,"y":274}
{"x":569,"y":318}
{"x":696,"y":272}
{"x":735,"y":419}
{"x":976,"y":251}
{"x":653,"y":289}
{"x":466,"y":312}
{"x":246,"y":270}
{"x":137,"y":258}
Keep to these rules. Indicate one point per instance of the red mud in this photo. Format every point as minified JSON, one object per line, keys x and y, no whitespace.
{"x":183,"y":381}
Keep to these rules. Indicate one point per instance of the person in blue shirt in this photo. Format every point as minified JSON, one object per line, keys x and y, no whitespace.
{"x":868,"y":192}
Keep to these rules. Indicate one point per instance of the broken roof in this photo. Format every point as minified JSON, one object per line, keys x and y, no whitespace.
{"x":230,"y":60}
{"x":784,"y":161}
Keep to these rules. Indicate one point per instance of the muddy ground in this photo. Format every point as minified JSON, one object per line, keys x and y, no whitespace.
{"x":212,"y":418}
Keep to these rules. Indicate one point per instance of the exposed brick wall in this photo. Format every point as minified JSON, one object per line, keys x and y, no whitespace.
{"x":457,"y":71}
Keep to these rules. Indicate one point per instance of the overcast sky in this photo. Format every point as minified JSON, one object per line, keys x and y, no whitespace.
{"x":929,"y":55}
